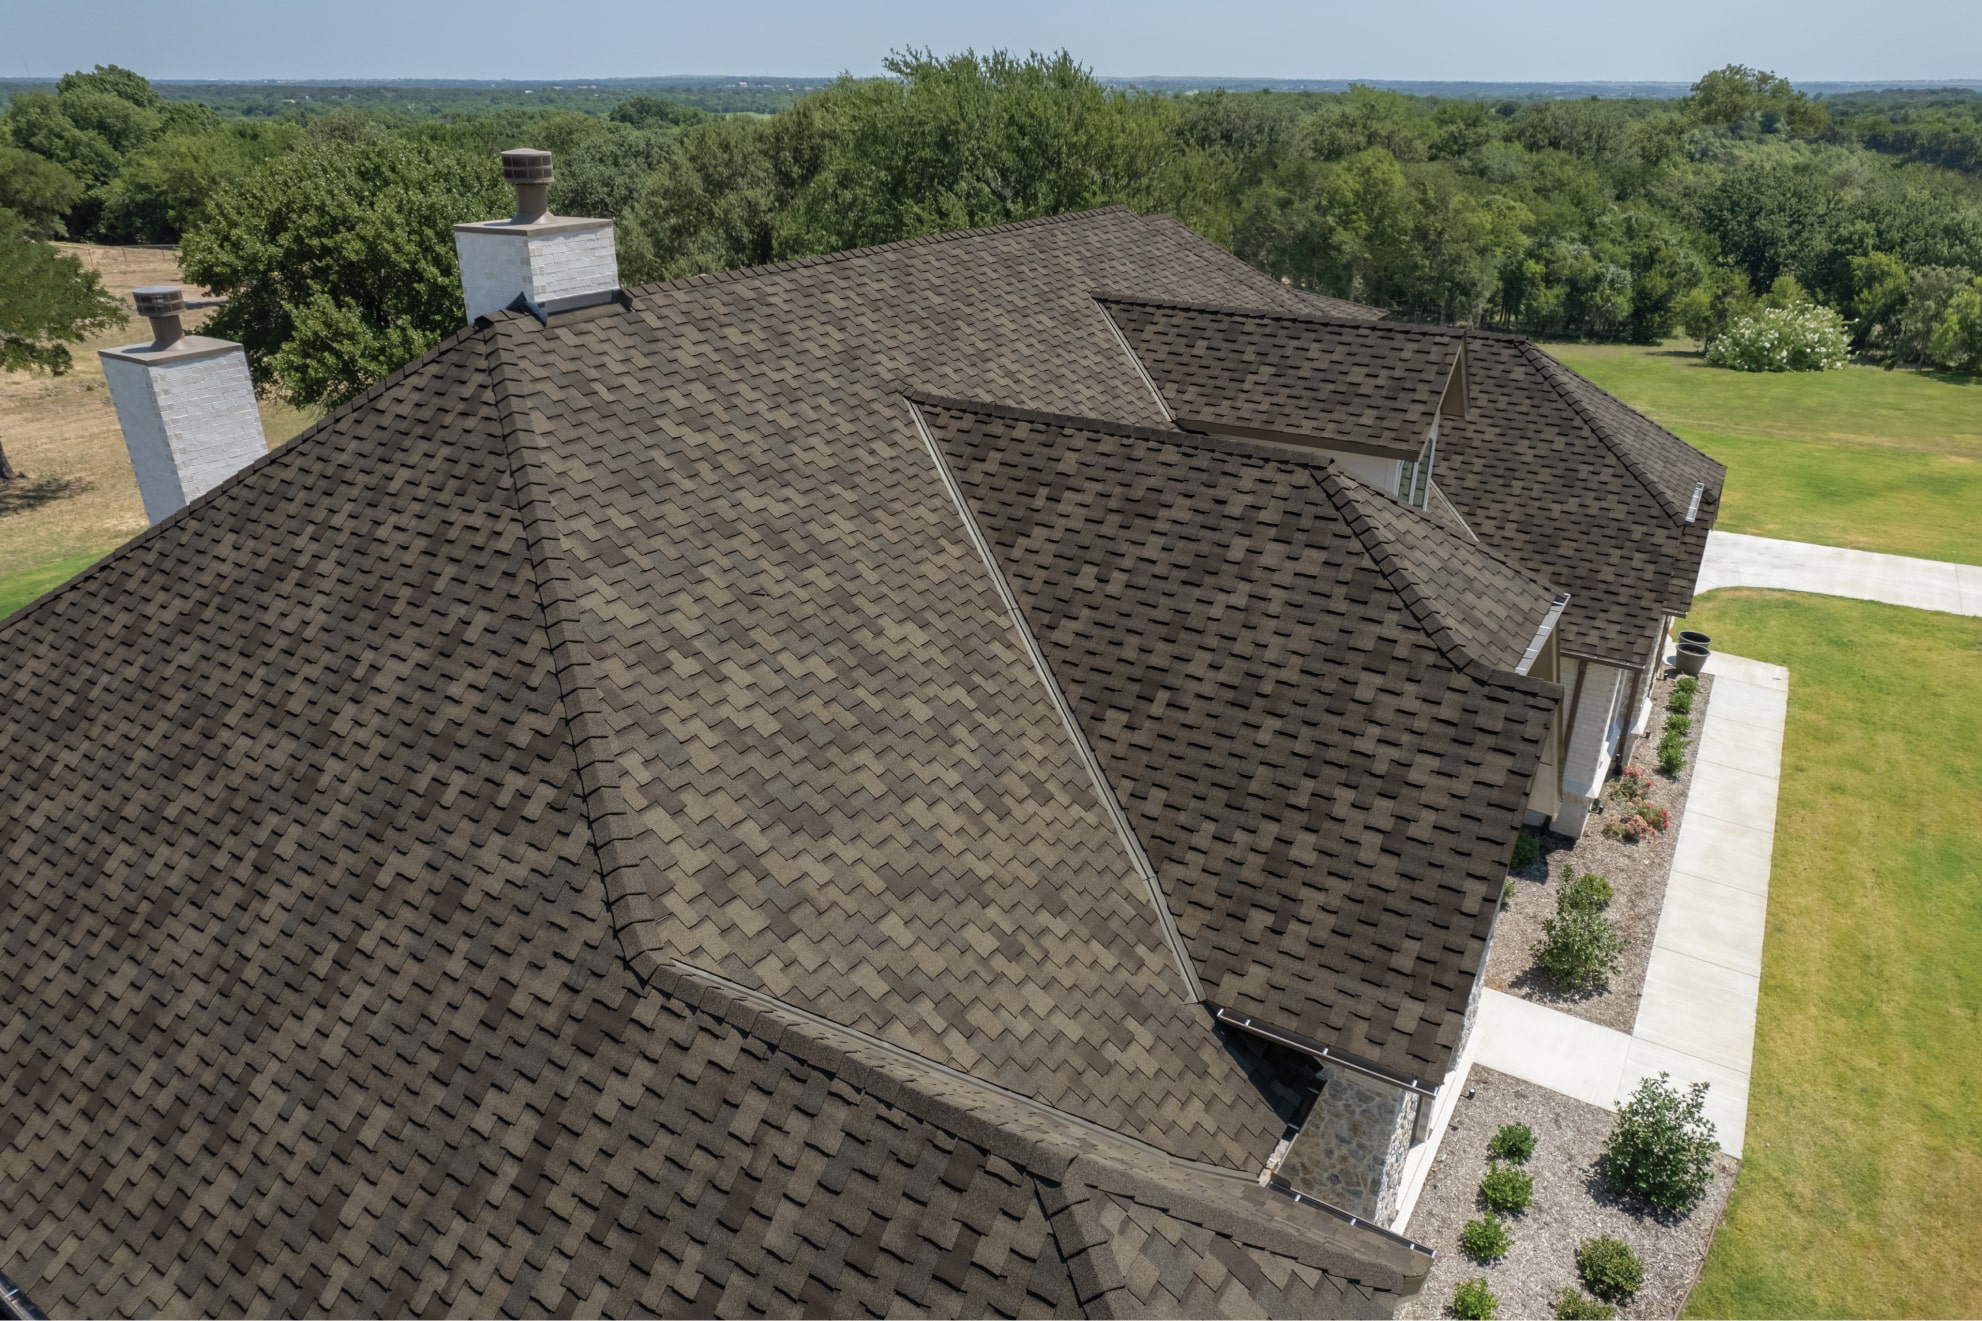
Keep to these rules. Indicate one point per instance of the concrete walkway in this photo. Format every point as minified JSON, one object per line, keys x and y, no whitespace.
{"x":1696,"y":1017}
{"x":1734,"y":559}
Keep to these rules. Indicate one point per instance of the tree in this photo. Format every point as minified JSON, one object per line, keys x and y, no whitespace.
{"x":1737,"y":95}
{"x":1363,"y":204}
{"x":39,"y":191}
{"x":48,"y":300}
{"x":1957,"y":339}
{"x":337,"y":260}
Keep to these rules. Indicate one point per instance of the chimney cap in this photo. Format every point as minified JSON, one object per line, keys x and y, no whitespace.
{"x":160,"y":300}
{"x":526,"y":165}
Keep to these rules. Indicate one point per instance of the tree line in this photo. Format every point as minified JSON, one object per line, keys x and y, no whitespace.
{"x":1603,"y":219}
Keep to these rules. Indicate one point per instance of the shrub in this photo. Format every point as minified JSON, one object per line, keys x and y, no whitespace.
{"x":1527,"y":848}
{"x":1632,"y":786}
{"x":1506,"y":1188}
{"x":1800,"y":338}
{"x":1579,"y":950}
{"x":1473,"y":1301}
{"x":1679,"y":724}
{"x":1575,"y":1305}
{"x":1686,"y":683}
{"x":1507,"y":893}
{"x":1681,"y":701}
{"x":1609,"y":1267}
{"x":1662,"y":1147}
{"x":1486,"y":1239}
{"x":1641,"y":822}
{"x":1515,"y":1142}
{"x":1587,"y":893}
{"x":1672,"y":753}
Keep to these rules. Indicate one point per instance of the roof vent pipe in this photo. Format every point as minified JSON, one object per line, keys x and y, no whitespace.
{"x":529,"y":173}
{"x":552,"y":263}
{"x":162,"y":305}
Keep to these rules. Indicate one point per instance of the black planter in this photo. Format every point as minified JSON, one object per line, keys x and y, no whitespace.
{"x":1699,"y":639}
{"x":1692,"y":658}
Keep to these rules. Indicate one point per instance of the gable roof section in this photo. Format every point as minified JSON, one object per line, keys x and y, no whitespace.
{"x":1568,"y":483}
{"x":1326,"y":777}
{"x":317,"y":964}
{"x":1291,"y":375}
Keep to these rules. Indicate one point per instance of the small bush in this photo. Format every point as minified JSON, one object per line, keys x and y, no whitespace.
{"x":1587,"y":893}
{"x":1507,"y":893}
{"x":1575,"y":1305}
{"x":1507,"y":1188}
{"x":1799,"y":338}
{"x":1486,"y":1239}
{"x":1687,"y":684}
{"x":1527,"y":848}
{"x":1473,"y":1301}
{"x":1632,"y":786}
{"x":1579,"y":950}
{"x":1662,"y":1147}
{"x":1642,"y":822}
{"x":1515,"y":1142}
{"x":1609,"y":1267}
{"x":1681,"y":701}
{"x":1679,"y":724}
{"x":1672,"y":754}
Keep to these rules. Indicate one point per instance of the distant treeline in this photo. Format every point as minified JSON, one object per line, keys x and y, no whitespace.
{"x":303,"y":100}
{"x":1598,"y":218}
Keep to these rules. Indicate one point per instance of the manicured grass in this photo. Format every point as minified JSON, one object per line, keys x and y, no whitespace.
{"x":1864,"y":1155}
{"x":16,"y":590}
{"x":1877,"y":460}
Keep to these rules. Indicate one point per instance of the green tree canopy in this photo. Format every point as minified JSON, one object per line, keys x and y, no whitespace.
{"x":48,"y":301}
{"x":338,"y":260}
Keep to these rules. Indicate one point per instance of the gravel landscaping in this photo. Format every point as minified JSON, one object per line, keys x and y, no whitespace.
{"x":1638,"y":871}
{"x":1570,"y":1204}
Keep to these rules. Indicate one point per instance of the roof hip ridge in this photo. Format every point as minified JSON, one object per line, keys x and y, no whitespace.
{"x":703,"y":278}
{"x":1549,"y":369}
{"x":610,"y":818}
{"x":1348,"y":496}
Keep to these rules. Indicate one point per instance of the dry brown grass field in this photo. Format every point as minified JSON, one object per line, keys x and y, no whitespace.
{"x":77,"y":498}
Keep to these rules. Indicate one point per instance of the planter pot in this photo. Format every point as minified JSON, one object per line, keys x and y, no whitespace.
{"x":1688,"y":635}
{"x":1692,"y":658}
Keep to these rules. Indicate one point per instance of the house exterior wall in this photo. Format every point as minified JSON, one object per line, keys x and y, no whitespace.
{"x":1350,"y":1152}
{"x":189,"y":422}
{"x":1591,"y":739}
{"x":1383,"y":474}
{"x":562,"y":262}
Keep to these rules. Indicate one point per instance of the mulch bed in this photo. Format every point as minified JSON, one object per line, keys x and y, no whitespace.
{"x":1571,"y":1204}
{"x":1637,"y":871}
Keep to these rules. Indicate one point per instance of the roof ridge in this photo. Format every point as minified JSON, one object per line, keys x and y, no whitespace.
{"x":1348,"y":495}
{"x":703,"y":278}
{"x":1549,"y":368}
{"x":1305,"y":316}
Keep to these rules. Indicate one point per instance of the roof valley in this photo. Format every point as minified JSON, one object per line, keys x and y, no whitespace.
{"x":1549,"y":370}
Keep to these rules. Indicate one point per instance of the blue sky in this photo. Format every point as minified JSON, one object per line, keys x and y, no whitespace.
{"x":1488,"y":40}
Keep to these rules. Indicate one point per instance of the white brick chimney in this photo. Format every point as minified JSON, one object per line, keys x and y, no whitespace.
{"x":187,"y":406}
{"x":557,"y":262}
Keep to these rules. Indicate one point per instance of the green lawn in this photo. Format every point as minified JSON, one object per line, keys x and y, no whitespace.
{"x":1878,"y":460}
{"x":16,"y":590}
{"x":1864,"y":1156}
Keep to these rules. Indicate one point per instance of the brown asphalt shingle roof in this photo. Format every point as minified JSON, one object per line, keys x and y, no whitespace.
{"x":1326,"y":775}
{"x":1292,"y":375}
{"x":579,"y":830}
{"x":1559,"y":478}
{"x":346,"y":809}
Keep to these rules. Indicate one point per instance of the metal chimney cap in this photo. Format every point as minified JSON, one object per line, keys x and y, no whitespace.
{"x":526,"y":165}
{"x":160,"y":300}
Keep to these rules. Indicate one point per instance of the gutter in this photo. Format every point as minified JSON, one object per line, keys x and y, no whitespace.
{"x":1328,"y":1054}
{"x":17,"y":1306}
{"x":1548,"y":623}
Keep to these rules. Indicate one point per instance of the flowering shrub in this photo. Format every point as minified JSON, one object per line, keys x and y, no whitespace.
{"x":1641,"y":822}
{"x":1799,"y":338}
{"x":1632,"y":786}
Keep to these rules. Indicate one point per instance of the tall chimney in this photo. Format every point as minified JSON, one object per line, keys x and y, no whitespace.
{"x":556,"y":262}
{"x":186,"y":404}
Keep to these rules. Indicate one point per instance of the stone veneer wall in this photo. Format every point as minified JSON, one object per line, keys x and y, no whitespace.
{"x":1350,"y":1152}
